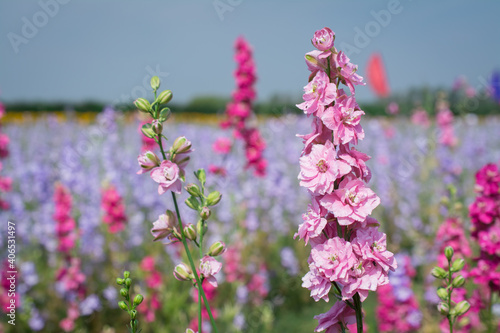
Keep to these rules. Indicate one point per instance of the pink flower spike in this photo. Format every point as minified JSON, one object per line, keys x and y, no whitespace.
{"x":167,"y":175}
{"x":208,"y":268}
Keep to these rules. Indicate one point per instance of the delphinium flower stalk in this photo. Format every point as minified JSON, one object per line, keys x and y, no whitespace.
{"x":447,"y":306}
{"x":239,"y":110}
{"x":444,"y":120}
{"x":129,"y":304}
{"x":153,"y":282}
{"x":5,"y":182}
{"x":349,"y":254}
{"x":485,"y":216}
{"x":114,"y":209}
{"x":169,"y":173}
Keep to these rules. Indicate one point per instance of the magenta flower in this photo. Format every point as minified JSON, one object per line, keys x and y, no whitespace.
{"x":370,"y":244}
{"x":489,"y":241}
{"x":488,"y":180}
{"x":334,"y":259}
{"x":351,"y":202}
{"x":483,"y":210}
{"x":323,"y":39}
{"x":317,"y":94}
{"x":343,"y":118}
{"x":332,"y":321}
{"x":208,"y":268}
{"x":314,"y":222}
{"x":168,"y":177}
{"x":320,"y":168}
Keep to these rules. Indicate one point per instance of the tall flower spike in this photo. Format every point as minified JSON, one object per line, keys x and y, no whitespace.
{"x":348,"y":252}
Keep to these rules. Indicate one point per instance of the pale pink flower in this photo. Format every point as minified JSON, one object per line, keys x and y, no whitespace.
{"x":320,"y":168}
{"x":320,"y":135}
{"x":351,"y":202}
{"x":314,"y":222}
{"x":208,"y":268}
{"x":357,"y":160}
{"x":168,"y":177}
{"x":323,"y":39}
{"x":147,"y":161}
{"x":317,"y":284}
{"x":370,"y":244}
{"x":222,"y":145}
{"x":365,"y":277}
{"x":314,"y":62}
{"x":317,"y":94}
{"x":334,"y":259}
{"x":165,"y":227}
{"x":420,"y":117}
{"x":348,"y":72}
{"x":344,"y":119}
{"x":332,"y":321}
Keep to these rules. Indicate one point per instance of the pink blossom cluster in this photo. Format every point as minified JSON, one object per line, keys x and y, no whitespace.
{"x":72,"y":280}
{"x":451,"y":233}
{"x":348,"y":251}
{"x":66,"y":229}
{"x":485,"y":216}
{"x":239,"y":110}
{"x":114,"y":209}
{"x":5,"y":182}
{"x":153,"y":283}
{"x":6,"y":289}
{"x":420,"y":117}
{"x":444,"y":119}
{"x":398,"y":308}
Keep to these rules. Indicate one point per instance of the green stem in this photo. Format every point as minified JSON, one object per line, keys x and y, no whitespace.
{"x":450,"y":319}
{"x":359,"y":313}
{"x":199,"y":293}
{"x":193,"y":267}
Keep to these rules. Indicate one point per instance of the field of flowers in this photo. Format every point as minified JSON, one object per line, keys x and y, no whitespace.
{"x":91,"y":226}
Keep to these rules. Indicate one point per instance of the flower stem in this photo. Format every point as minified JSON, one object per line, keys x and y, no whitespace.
{"x":193,"y":267}
{"x":200,"y":287}
{"x":450,"y":318}
{"x":359,"y":313}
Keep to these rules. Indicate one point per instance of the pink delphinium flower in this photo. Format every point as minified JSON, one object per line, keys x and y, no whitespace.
{"x":320,"y":168}
{"x":68,"y":323}
{"x":357,"y":160}
{"x":370,"y":245}
{"x":444,"y":120}
{"x":233,"y":269}
{"x":259,"y":285}
{"x":314,"y":222}
{"x":166,"y":227}
{"x":147,"y":161}
{"x":323,"y":39}
{"x":208,"y":268}
{"x":488,"y":180}
{"x":222,"y":145}
{"x":332,"y":321}
{"x":114,"y":210}
{"x":334,"y":259}
{"x":348,"y":72}
{"x":65,"y":225}
{"x":393,"y":108}
{"x":167,"y":175}
{"x":420,"y":117}
{"x":71,"y":277}
{"x":317,"y":94}
{"x":451,"y":233}
{"x":320,"y":135}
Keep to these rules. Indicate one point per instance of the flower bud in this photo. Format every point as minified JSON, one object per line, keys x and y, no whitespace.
{"x":155,"y":83}
{"x":133,"y":314}
{"x":183,"y":273}
{"x":442,"y":293}
{"x":148,"y":160}
{"x":193,"y":189}
{"x":458,"y":281}
{"x":216,"y":249}
{"x":462,"y":308}
{"x":201,"y":176}
{"x":189,"y":330}
{"x":128,"y":282}
{"x":205,"y":213}
{"x":147,"y":130}
{"x":142,"y":104}
{"x":457,"y":265}
{"x":157,"y":126}
{"x":181,"y":145}
{"x":138,"y":299}
{"x":213,"y":198}
{"x":164,"y":114}
{"x":119,"y":281}
{"x":201,"y":228}
{"x":438,"y":272}
{"x":443,"y":308}
{"x":123,"y":305}
{"x":192,"y":203}
{"x":126,"y":274}
{"x":164,"y":97}
{"x":124,"y":292}
{"x":448,"y":252}
{"x":190,"y":232}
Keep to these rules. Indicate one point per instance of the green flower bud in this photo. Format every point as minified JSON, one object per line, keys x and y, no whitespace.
{"x":201,"y":176}
{"x":189,"y":330}
{"x":216,"y":249}
{"x":438,"y":273}
{"x":124,"y":292}
{"x":164,"y":97}
{"x":126,"y":274}
{"x":164,"y":114}
{"x":458,"y":281}
{"x":123,"y":305}
{"x":157,"y":126}
{"x":155,"y":83}
{"x":148,"y":131}
{"x":442,"y":293}
{"x":214,"y":198}
{"x":194,"y":190}
{"x":190,"y":232}
{"x":133,"y":314}
{"x":181,"y":145}
{"x":448,"y":252}
{"x":142,"y":104}
{"x":201,"y":228}
{"x":183,"y":273}
{"x":128,"y":282}
{"x":119,"y":281}
{"x":138,"y":299}
{"x":457,"y":265}
{"x":462,"y":308}
{"x":205,"y":213}
{"x":443,"y":308}
{"x":192,"y":203}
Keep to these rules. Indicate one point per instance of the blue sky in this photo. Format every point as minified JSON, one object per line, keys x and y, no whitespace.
{"x":104,"y":50}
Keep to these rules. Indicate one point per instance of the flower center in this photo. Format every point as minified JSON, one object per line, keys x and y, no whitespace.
{"x":333,"y":257}
{"x":169,"y":174}
{"x":349,"y":117}
{"x":322,"y":166}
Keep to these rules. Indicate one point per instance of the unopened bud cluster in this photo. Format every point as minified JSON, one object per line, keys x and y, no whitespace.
{"x":129,"y":304}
